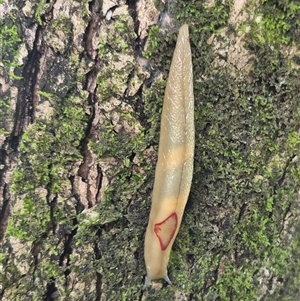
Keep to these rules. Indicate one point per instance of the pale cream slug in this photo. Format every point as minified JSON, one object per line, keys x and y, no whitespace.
{"x":174,"y":169}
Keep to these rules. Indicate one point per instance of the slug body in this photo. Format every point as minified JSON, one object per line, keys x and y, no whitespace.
{"x":174,"y":169}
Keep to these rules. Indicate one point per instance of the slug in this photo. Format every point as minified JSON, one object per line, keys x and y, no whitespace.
{"x":174,"y":169}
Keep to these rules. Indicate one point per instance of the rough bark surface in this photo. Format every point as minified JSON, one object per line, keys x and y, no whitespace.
{"x":81,"y":89}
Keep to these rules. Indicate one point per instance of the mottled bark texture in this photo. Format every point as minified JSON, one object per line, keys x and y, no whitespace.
{"x":81,"y":89}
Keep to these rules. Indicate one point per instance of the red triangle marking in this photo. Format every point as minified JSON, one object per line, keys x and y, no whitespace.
{"x":165,"y":230}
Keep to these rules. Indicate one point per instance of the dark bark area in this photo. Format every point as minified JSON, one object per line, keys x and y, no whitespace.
{"x":82,"y":85}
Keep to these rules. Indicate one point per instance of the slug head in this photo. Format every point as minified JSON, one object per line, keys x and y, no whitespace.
{"x":158,"y":243}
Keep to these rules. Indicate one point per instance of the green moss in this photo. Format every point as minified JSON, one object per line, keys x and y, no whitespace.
{"x":245,"y":145}
{"x":9,"y":52}
{"x":10,"y":40}
{"x":153,"y":41}
{"x":294,"y":141}
{"x":241,"y":166}
{"x":115,"y":47}
{"x":245,"y":178}
{"x":5,"y":112}
{"x":40,"y":10}
{"x":45,"y":94}
{"x":48,"y":149}
{"x":209,"y":19}
{"x":275,"y":23}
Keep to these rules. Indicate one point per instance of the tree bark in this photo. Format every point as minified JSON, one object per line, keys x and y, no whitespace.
{"x":82,"y":84}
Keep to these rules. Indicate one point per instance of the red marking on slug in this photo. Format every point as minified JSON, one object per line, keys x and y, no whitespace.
{"x":165,"y":230}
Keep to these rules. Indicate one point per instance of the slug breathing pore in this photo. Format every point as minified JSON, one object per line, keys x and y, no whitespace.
{"x":174,"y":169}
